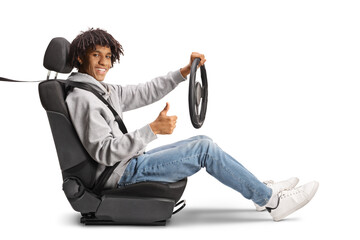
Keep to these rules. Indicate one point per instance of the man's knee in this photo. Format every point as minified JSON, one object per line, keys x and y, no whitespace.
{"x":206,"y":151}
{"x":205,"y":145}
{"x":203,"y":137}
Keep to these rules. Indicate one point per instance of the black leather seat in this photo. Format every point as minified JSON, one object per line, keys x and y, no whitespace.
{"x":141,"y":203}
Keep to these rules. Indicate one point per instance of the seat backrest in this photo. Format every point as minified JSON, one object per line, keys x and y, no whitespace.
{"x":74,"y":161}
{"x":73,"y":158}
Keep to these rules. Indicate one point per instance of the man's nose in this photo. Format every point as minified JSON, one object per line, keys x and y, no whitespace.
{"x":102,"y":61}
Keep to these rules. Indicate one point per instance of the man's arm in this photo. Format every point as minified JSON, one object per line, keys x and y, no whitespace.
{"x":136,"y":96}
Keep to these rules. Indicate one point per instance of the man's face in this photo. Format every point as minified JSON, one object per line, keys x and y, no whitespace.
{"x":97,"y":62}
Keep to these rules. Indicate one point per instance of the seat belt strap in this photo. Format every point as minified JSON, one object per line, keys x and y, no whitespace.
{"x":10,"y":80}
{"x":87,"y":87}
{"x":105,"y":175}
{"x":102,"y":179}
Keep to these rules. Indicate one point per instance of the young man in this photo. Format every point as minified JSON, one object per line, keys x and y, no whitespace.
{"x":93,"y":53}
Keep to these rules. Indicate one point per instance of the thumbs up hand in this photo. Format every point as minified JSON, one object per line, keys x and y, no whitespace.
{"x":164,"y":124}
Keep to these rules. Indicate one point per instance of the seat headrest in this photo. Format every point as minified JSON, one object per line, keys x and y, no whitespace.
{"x":56,"y":56}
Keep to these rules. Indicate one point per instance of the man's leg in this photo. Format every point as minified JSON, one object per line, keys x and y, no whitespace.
{"x":182,"y":159}
{"x":176,"y":144}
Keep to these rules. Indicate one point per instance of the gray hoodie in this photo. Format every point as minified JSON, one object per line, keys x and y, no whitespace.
{"x":96,"y":126}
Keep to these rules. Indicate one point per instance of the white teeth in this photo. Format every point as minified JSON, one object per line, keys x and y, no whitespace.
{"x":101,"y":69}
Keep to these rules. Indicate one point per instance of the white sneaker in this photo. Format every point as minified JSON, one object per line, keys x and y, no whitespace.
{"x":278,"y":187}
{"x":292,"y":200}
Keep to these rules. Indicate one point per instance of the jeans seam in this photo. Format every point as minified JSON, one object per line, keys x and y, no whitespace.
{"x":170,"y":163}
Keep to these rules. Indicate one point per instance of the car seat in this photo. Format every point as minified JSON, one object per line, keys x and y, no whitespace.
{"x":146,"y":203}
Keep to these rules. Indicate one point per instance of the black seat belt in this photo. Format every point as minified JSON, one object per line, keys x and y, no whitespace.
{"x":87,"y":87}
{"x":105,"y":175}
{"x":10,"y":80}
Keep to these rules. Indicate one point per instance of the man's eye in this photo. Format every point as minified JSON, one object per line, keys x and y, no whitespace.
{"x":108,"y":56}
{"x":95,"y":55}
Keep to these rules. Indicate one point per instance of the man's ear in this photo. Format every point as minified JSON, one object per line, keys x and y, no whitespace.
{"x":80,"y":60}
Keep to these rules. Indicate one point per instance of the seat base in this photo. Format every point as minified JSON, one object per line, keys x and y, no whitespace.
{"x":92,"y":220}
{"x":124,"y":210}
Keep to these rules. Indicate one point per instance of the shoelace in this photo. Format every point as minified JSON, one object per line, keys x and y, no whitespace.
{"x":288,"y":193}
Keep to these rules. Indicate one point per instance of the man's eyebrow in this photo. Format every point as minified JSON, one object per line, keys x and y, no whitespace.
{"x":97,"y":51}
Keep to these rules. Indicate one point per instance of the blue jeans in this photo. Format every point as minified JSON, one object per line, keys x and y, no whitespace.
{"x":173,"y":162}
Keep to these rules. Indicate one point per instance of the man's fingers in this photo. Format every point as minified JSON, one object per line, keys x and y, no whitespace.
{"x":173,"y":118}
{"x":202,"y":62}
{"x":166,"y":109}
{"x":198,"y":55}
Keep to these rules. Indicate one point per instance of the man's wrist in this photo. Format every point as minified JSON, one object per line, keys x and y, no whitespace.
{"x":185,"y":70}
{"x":153,"y":128}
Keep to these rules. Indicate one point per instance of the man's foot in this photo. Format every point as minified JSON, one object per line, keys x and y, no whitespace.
{"x":292,"y":200}
{"x":278,"y":187}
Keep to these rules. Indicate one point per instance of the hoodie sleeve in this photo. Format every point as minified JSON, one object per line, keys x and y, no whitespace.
{"x":98,"y":132}
{"x":135,"y":96}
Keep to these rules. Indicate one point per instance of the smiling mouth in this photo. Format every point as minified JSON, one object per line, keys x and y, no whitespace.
{"x":102,"y":70}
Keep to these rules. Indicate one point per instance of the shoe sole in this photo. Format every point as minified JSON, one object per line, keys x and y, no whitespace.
{"x":312,"y":194}
{"x":260,"y":209}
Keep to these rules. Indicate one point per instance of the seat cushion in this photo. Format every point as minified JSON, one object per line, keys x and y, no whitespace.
{"x":172,"y":191}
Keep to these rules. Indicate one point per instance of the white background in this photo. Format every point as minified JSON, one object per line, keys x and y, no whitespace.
{"x":283,"y":100}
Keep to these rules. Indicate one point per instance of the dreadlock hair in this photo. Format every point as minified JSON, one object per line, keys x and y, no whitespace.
{"x":89,"y":39}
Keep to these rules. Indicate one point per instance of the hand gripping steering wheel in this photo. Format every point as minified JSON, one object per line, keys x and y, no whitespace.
{"x":198,"y":95}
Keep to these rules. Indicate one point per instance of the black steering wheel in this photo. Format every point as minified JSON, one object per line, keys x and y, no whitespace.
{"x":198,"y":95}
